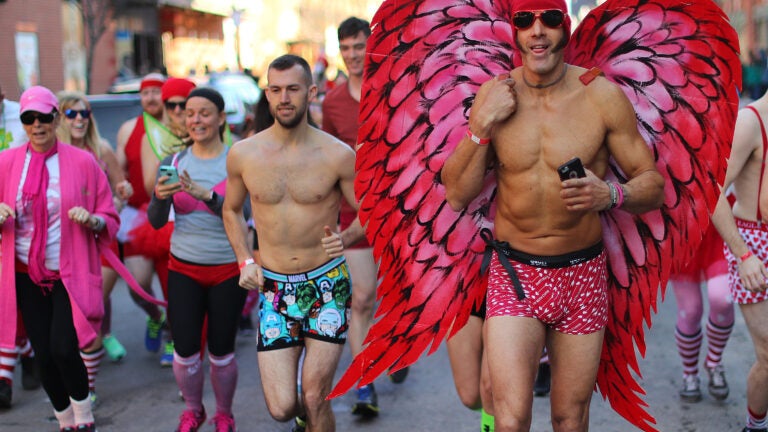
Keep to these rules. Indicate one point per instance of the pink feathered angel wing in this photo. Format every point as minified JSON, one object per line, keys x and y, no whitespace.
{"x":426,"y":59}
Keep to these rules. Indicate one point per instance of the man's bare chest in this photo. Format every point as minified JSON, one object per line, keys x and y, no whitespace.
{"x":301,"y":182}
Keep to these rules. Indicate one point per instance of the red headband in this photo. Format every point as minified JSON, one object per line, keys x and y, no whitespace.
{"x":536,"y":5}
{"x":152,"y":80}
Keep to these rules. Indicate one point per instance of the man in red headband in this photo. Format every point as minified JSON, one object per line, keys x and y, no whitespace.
{"x":547,"y":281}
{"x":129,"y":139}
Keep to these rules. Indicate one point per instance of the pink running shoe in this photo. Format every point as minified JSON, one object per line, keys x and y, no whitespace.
{"x":224,"y":422}
{"x":190,"y":421}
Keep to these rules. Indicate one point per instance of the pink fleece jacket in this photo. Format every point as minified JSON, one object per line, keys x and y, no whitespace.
{"x":83,"y":183}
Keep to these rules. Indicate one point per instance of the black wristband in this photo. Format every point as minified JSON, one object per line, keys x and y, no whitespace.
{"x":214,"y":195}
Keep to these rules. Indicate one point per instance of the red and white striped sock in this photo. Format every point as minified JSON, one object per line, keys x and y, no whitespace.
{"x":7,"y":363}
{"x":756,"y":421}
{"x":92,"y":362}
{"x":717,"y":338}
{"x":25,"y":348}
{"x":688,"y":346}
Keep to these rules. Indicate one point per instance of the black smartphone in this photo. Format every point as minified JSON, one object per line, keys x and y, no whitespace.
{"x":171,"y":172}
{"x":571,"y":169}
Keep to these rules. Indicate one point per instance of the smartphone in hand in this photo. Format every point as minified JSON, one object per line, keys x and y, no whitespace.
{"x":571,"y":169}
{"x":171,"y":172}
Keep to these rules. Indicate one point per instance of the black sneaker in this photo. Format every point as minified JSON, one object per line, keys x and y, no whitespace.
{"x":399,"y":376}
{"x":367,"y":405}
{"x":30,"y":373}
{"x":543,"y":383}
{"x":747,"y":429}
{"x":6,"y":393}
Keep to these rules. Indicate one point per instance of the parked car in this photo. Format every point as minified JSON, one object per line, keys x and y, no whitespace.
{"x":112,"y":110}
{"x":240,"y":94}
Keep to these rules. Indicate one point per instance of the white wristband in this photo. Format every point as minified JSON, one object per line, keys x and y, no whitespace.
{"x":247,"y":262}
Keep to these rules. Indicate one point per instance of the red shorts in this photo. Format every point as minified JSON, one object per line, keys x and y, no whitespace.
{"x":709,"y":260}
{"x":756,"y":236}
{"x":569,"y":298}
{"x":205,"y":275}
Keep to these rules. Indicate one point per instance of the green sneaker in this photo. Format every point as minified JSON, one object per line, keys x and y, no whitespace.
{"x":115,"y":350}
{"x":166,"y":360}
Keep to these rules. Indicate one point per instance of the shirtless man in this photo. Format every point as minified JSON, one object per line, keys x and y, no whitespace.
{"x":744,"y":231}
{"x":129,"y":139}
{"x":535,"y":118}
{"x":295,"y":176}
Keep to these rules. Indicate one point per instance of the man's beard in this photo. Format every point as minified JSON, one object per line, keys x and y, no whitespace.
{"x":293,"y":121}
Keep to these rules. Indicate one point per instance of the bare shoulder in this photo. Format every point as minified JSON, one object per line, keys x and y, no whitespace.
{"x":105,"y":148}
{"x":249,"y":146}
{"x":748,"y":118}
{"x":748,"y":125}
{"x":125,"y":130}
{"x":330,"y":143}
{"x":602,"y":91}
{"x":247,"y":153}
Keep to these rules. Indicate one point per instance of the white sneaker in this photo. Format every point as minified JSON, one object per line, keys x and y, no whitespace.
{"x":690,"y":392}
{"x":718,"y":386}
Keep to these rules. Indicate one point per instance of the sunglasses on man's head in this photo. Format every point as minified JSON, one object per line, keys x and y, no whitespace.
{"x":552,"y":18}
{"x":172,"y":105}
{"x":72,"y":114}
{"x":29,"y":117}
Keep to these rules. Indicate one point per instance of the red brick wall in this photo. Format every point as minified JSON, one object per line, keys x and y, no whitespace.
{"x":42,"y":17}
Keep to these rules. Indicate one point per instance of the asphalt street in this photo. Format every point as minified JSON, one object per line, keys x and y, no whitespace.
{"x":138,"y":395}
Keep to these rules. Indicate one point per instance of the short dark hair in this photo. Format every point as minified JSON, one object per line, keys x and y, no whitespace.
{"x":351,"y":26}
{"x":287,"y":61}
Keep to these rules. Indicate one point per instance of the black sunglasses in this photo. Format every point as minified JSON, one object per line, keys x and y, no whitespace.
{"x":172,"y":105}
{"x":29,"y":117}
{"x":72,"y":114}
{"x":552,"y":18}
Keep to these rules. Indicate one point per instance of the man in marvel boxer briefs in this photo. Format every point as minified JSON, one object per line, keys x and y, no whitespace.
{"x":548,"y":232}
{"x":745,"y":234}
{"x":295,"y":176}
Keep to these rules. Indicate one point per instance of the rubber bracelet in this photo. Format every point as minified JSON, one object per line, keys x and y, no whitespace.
{"x":476,"y":139}
{"x":613,"y":195}
{"x":247,"y":262}
{"x":746,"y":256}
{"x":620,"y":191}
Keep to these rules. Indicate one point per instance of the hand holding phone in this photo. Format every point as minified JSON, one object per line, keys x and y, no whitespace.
{"x":571,"y":169}
{"x":171,"y":172}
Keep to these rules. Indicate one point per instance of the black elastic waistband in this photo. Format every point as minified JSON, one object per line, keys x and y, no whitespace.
{"x":554,"y":261}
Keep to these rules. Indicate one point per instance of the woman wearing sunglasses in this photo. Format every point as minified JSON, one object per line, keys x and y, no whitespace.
{"x":203,"y":279}
{"x":78,"y":128}
{"x":550,"y":287}
{"x":56,"y":211}
{"x":162,"y":138}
